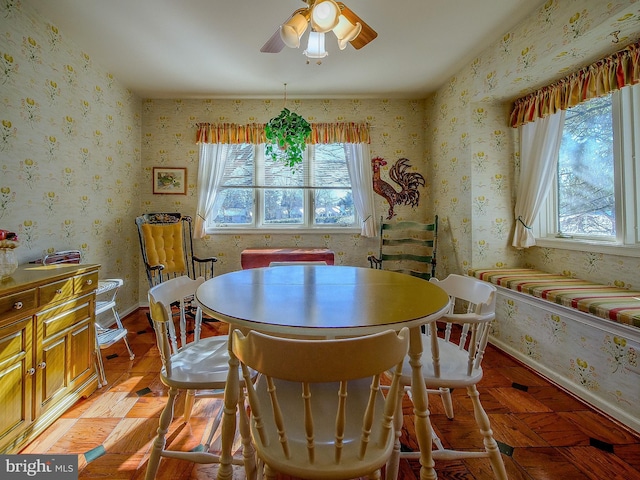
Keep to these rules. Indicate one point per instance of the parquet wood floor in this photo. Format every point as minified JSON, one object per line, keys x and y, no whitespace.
{"x":547,"y":434}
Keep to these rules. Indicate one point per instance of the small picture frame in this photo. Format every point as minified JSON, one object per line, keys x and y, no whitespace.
{"x":169,"y":180}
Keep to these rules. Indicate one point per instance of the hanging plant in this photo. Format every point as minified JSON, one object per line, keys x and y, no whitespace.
{"x":286,"y":137}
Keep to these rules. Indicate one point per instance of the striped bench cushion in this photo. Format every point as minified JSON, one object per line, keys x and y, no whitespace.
{"x":611,"y":303}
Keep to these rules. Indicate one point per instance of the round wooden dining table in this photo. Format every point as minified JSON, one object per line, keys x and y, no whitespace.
{"x":327,"y":302}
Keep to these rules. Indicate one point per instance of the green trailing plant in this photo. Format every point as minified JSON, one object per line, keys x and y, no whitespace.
{"x":286,"y":137}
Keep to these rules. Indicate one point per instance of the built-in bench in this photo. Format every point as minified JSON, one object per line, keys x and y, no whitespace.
{"x":582,"y":335}
{"x":604,"y":301}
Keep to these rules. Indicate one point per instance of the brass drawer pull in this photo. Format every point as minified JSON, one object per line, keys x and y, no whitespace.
{"x":59,"y":291}
{"x":89,"y":282}
{"x":17,"y":305}
{"x":42,"y":365}
{"x":31,"y":371}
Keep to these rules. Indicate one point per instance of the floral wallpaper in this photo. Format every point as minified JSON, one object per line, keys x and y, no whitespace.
{"x":77,"y":148}
{"x":168,"y":139}
{"x":69,"y":150}
{"x":473,"y":153}
{"x":474,"y":166}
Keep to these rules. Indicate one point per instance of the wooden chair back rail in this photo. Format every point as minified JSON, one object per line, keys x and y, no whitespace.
{"x":407,"y":247}
{"x":289,"y":412}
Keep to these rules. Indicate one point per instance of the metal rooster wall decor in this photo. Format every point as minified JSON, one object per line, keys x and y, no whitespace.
{"x":408,"y":181}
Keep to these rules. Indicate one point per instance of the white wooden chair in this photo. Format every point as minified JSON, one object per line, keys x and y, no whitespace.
{"x":315,"y":415}
{"x":454,"y":361}
{"x":197,"y":366}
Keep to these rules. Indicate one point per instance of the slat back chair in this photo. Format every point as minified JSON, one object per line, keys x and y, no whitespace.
{"x":454,"y":360}
{"x":196,"y":365}
{"x":315,"y":415}
{"x":407,"y":247}
{"x":166,"y":242}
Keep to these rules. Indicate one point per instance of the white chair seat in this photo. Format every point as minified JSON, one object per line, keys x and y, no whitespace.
{"x":453,"y":366}
{"x":200,"y":366}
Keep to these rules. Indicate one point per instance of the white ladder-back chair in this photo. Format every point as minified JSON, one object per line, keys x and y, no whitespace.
{"x":455,"y":361}
{"x":316,"y":415}
{"x":196,"y":365}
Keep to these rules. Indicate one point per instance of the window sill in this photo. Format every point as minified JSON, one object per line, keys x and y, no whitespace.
{"x":590,"y":246}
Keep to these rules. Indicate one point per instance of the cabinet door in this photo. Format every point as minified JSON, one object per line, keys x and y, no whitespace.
{"x":65,"y":344}
{"x":16,"y":378}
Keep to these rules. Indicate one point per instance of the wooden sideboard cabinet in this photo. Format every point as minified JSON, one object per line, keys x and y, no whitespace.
{"x":47,"y":347}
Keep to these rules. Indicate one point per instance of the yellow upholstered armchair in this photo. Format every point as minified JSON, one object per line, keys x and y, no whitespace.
{"x":167,"y":248}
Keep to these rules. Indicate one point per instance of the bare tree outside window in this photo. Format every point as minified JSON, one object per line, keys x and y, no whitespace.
{"x":586,"y":190}
{"x":258,"y":191}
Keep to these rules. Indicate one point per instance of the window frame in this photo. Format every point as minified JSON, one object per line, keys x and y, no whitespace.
{"x":626,"y":148}
{"x":307,"y":226}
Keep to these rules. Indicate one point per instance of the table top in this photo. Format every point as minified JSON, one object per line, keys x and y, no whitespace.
{"x":317,"y":300}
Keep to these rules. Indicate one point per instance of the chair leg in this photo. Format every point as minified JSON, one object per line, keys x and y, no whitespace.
{"x":131,"y":354}
{"x":393,"y":465}
{"x":160,"y":441}
{"x":102,"y":378}
{"x":188,"y":405}
{"x":214,"y":428}
{"x":248,"y":451}
{"x":447,"y":403}
{"x":490,"y":444}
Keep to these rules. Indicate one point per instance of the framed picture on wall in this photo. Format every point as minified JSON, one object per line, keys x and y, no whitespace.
{"x":167,"y":180}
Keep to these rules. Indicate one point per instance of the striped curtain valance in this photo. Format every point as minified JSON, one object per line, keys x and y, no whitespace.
{"x":600,"y":78}
{"x":343,"y":132}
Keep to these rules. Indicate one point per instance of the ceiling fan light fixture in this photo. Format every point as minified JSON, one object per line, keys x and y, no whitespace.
{"x":346,"y":31}
{"x":325,"y":15}
{"x":293,"y":29}
{"x":315,"y":48}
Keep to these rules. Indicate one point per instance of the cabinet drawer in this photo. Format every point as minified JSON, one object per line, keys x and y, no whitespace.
{"x":63,"y":317}
{"x":56,"y":291}
{"x":85,"y":283}
{"x":18,"y":302}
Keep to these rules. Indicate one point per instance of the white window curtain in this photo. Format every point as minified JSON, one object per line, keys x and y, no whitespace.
{"x":359,"y":166}
{"x":539,"y":147}
{"x":213,"y":159}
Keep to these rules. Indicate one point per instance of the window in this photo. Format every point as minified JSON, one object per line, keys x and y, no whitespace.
{"x":258,"y":192}
{"x":595,"y":195}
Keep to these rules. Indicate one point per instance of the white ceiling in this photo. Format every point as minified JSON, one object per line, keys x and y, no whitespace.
{"x":211,"y":48}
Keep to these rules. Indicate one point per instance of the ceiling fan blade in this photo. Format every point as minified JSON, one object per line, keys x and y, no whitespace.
{"x":274,"y":44}
{"x":366,"y":35}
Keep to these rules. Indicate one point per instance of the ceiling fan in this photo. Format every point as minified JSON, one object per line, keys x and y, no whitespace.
{"x":323,"y":16}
